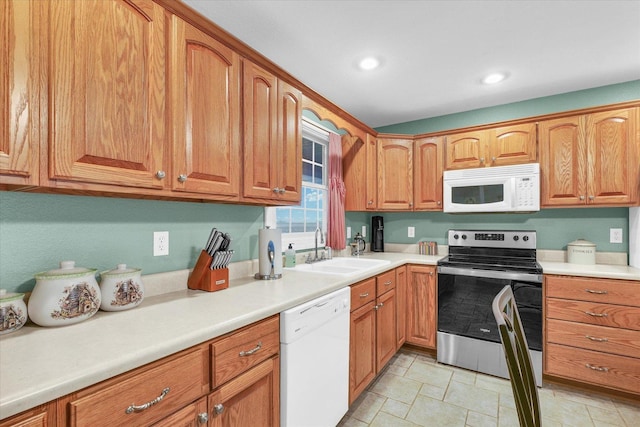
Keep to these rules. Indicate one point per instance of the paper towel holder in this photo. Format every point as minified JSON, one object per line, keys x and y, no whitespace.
{"x":271,"y":258}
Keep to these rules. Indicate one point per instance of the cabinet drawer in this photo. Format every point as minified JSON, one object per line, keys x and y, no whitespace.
{"x":363,"y":293}
{"x":241,"y":350}
{"x":591,"y":337}
{"x":619,"y":316}
{"x":625,"y":292}
{"x":179,"y":380}
{"x":385,"y":282}
{"x":608,"y":370}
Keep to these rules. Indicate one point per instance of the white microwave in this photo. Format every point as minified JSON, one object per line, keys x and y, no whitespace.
{"x":514,"y":188}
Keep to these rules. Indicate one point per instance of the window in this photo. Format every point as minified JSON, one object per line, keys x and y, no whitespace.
{"x":299,"y":223}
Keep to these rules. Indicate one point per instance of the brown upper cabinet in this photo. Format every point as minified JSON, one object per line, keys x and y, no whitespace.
{"x":395,"y":174}
{"x":272,"y":137}
{"x":107,"y":93}
{"x":205,"y":104}
{"x":590,"y":159}
{"x":507,"y":145}
{"x":359,"y":172}
{"x":19,"y":91}
{"x":427,"y":173}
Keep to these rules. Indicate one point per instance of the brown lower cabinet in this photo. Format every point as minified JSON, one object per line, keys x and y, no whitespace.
{"x":422,"y":319}
{"x":373,"y":335}
{"x":233,"y":380}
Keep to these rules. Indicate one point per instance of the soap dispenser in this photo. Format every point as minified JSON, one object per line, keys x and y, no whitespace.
{"x":290,"y":256}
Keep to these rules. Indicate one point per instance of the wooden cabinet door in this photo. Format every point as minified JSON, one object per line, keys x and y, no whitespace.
{"x":107,"y":92}
{"x":563,"y":163}
{"x":466,"y":150}
{"x":40,"y":416}
{"x":205,"y":102}
{"x":427,"y":173}
{"x":260,"y":103}
{"x":510,"y":145}
{"x":612,"y":167}
{"x":395,"y":174}
{"x":354,"y":172}
{"x":21,"y":37}
{"x":401,"y":306}
{"x":372,"y":173}
{"x":250,"y":399}
{"x":422,"y":306}
{"x":193,"y":415}
{"x":362,"y":349}
{"x":289,"y":138}
{"x":386,"y":341}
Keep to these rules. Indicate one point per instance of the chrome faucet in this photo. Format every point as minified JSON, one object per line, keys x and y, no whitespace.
{"x":316,"y":239}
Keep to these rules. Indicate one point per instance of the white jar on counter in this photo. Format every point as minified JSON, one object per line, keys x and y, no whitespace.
{"x":64,"y":296}
{"x":13,"y":311}
{"x":581,"y":252}
{"x":121,"y":288}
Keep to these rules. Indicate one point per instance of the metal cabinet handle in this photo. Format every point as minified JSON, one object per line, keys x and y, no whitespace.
{"x":182,"y":177}
{"x":596,"y":339}
{"x":135,"y":408}
{"x":596,"y":314}
{"x":252,"y":351}
{"x":592,"y":291}
{"x":377,"y":307}
{"x":203,"y":418}
{"x":218,"y":409}
{"x":366,"y":294}
{"x":387,"y":283}
{"x":160,"y":174}
{"x":597,"y":368}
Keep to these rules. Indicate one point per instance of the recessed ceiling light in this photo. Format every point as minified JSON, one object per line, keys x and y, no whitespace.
{"x":369,"y":63}
{"x":494,"y":78}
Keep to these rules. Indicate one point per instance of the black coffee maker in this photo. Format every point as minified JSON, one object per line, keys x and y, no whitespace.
{"x":377,"y":234}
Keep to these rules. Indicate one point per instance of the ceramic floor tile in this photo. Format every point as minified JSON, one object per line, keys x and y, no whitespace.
{"x":429,"y":373}
{"x":611,"y":416}
{"x":499,"y":385}
{"x":568,"y":412}
{"x":463,"y":376}
{"x":630,"y":413}
{"x":433,"y":391}
{"x":387,"y":420}
{"x":403,"y":359}
{"x":351,"y":422}
{"x":431,"y":412}
{"x":367,"y":408}
{"x":473,"y":398}
{"x":397,"y":388}
{"x":475,"y":419}
{"x":395,"y":408}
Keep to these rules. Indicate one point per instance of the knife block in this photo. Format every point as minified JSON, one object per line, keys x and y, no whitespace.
{"x":204,"y":279}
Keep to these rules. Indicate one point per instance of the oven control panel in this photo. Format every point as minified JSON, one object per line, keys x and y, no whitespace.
{"x":516,"y":239}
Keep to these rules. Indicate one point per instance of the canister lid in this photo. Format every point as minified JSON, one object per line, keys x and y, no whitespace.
{"x":582,"y":242}
{"x":121,"y":269}
{"x":67,"y":269}
{"x":9,"y":296}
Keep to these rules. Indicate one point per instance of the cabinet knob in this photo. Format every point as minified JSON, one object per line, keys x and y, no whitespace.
{"x":592,"y":197}
{"x":182,"y":177}
{"x":410,"y":205}
{"x":276,"y":190}
{"x":431,"y":273}
{"x":203,"y":418}
{"x":438,"y":202}
{"x":160,"y":174}
{"x":370,"y":202}
{"x":581,"y":197}
{"x":218,"y":409}
{"x":481,"y":159}
{"x":493,"y":159}
{"x":281,"y":191}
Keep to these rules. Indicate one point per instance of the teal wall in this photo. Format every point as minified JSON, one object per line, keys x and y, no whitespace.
{"x":37,"y":231}
{"x":594,"y":97}
{"x":555,"y":227}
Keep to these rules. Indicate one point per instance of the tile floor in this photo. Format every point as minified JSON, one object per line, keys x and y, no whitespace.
{"x":415,"y":390}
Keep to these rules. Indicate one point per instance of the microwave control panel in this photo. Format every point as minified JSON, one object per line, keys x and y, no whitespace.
{"x":527,"y":194}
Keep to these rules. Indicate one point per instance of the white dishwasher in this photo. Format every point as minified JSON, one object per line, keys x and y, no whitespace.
{"x":314,"y":361}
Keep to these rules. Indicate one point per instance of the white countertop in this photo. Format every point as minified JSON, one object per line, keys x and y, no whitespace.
{"x":41,"y":364}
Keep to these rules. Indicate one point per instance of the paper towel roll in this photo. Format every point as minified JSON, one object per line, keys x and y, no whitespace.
{"x":266,"y":235}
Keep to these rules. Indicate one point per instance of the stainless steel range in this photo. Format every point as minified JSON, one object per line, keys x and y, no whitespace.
{"x":479,"y":265}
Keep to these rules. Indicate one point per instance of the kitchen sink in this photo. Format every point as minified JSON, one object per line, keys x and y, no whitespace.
{"x":341,"y":266}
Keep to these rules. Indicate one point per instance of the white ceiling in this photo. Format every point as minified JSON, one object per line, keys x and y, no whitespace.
{"x":434,"y":53}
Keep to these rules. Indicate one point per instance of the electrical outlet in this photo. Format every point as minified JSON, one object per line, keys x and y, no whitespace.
{"x":160,"y":243}
{"x":411,"y":232}
{"x":615,"y":235}
{"x":348,"y":232}
{"x":364,"y":231}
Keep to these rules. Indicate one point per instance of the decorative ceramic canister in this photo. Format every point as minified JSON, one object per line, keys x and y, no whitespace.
{"x":13,"y":311}
{"x":64,"y":296}
{"x":121,"y":288}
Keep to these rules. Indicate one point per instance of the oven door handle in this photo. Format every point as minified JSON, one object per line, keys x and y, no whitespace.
{"x":491,"y":274}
